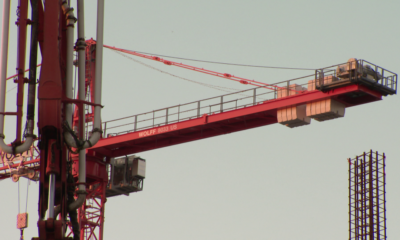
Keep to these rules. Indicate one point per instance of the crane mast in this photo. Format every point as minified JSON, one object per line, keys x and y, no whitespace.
{"x":52,"y":28}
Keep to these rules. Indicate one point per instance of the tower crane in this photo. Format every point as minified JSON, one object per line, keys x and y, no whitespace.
{"x":78,"y":160}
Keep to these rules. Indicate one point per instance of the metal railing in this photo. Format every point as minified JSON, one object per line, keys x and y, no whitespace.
{"x":196,"y":109}
{"x":358,"y":70}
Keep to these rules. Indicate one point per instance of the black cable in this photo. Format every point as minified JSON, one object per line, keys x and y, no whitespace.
{"x":234,"y":64}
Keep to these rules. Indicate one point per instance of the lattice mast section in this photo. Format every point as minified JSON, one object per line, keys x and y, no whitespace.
{"x":367,"y":197}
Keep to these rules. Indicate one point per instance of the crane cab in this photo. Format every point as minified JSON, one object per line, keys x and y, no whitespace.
{"x":126,"y":175}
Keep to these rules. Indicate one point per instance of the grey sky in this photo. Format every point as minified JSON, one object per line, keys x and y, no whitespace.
{"x":266,"y":183}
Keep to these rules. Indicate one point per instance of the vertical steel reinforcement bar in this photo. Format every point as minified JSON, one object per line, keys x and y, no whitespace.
{"x":384,"y":193}
{"x":349,"y":199}
{"x":370,"y":198}
{"x":378,"y":231}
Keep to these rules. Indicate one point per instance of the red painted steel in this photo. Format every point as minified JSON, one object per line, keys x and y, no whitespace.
{"x":222,"y":123}
{"x":53,"y":160}
{"x":32,"y":162}
{"x":17,"y":164}
{"x":15,"y":75}
{"x":91,"y":214}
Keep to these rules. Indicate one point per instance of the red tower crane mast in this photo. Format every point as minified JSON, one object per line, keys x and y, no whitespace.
{"x":53,"y":29}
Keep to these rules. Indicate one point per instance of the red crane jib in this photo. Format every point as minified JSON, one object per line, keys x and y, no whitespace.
{"x":222,"y":123}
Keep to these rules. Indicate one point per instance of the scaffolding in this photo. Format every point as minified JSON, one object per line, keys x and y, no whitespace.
{"x":367,"y":197}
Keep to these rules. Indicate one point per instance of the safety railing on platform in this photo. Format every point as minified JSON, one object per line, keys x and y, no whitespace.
{"x":357,"y":71}
{"x":187,"y":111}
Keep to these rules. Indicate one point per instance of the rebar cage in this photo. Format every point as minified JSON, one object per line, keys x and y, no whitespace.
{"x":367,"y":197}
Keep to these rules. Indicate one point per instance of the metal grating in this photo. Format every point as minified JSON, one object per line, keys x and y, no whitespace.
{"x":367,"y":197}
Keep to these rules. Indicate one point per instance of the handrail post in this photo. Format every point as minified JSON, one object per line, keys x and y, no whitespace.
{"x":320,"y":79}
{"x":383,"y":77}
{"x":166,"y":116}
{"x":179,"y":111}
{"x":254,"y":96}
{"x":222,"y":104}
{"x":135,"y":124}
{"x":287,"y":88}
{"x":105,"y":128}
{"x":198,"y":109}
{"x":376,"y":73}
{"x":153,"y":118}
{"x":356,"y":66}
{"x":316,"y":77}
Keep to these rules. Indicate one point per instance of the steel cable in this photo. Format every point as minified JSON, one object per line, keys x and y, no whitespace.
{"x":220,"y":88}
{"x":224,"y":63}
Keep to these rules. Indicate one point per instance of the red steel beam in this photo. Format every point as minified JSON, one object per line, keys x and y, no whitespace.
{"x":26,"y":163}
{"x":15,"y":75}
{"x":22,"y":164}
{"x":221,"y":123}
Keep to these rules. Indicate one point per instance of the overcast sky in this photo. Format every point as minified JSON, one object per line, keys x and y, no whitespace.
{"x":270,"y":182}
